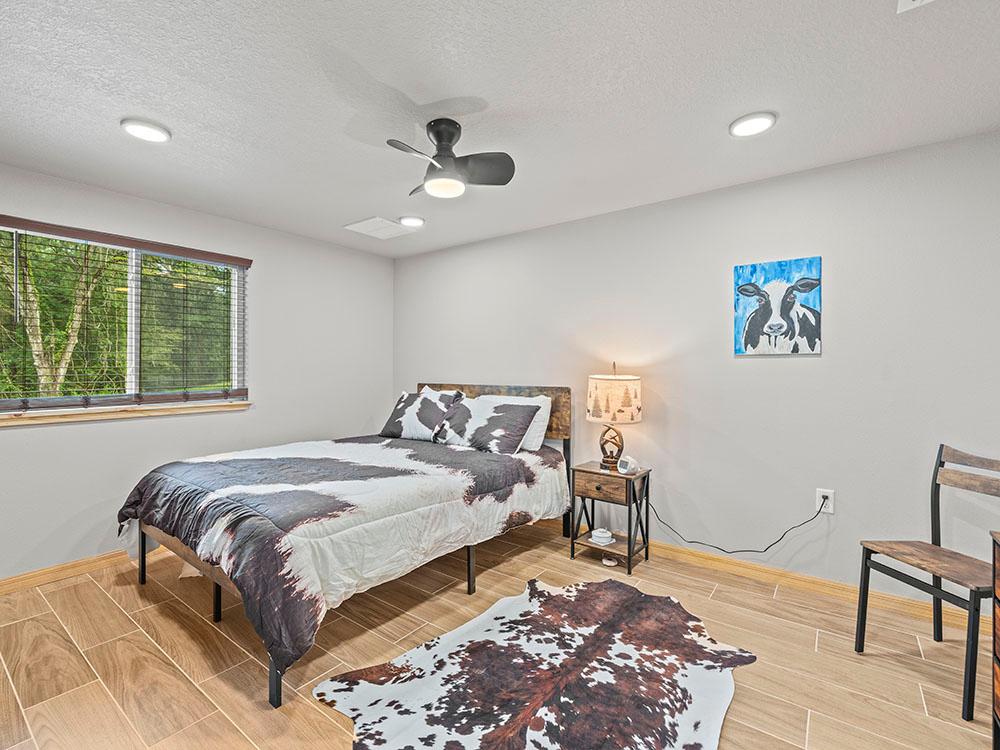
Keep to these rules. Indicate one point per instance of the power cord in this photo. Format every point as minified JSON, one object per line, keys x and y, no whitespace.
{"x":736,"y":551}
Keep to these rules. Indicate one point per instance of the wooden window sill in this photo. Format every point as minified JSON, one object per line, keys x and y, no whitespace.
{"x":105,"y":413}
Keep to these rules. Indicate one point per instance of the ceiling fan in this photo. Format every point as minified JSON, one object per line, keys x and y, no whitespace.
{"x":447,"y":174}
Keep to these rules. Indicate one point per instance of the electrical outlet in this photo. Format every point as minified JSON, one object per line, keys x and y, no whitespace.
{"x":829,"y":496}
{"x":905,"y":5}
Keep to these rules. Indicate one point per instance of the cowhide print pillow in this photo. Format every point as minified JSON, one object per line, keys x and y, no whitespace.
{"x":535,"y":436}
{"x":417,"y":415}
{"x":486,"y":423}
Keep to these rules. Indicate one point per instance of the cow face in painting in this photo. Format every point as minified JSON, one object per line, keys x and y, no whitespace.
{"x":780,"y":324}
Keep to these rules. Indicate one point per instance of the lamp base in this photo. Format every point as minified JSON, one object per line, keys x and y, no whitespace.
{"x":612,"y":443}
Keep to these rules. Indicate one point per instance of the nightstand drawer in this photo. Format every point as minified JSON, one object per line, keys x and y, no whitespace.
{"x":611,"y":489}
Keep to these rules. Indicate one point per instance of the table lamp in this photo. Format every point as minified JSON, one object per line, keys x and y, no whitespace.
{"x":613,"y":400}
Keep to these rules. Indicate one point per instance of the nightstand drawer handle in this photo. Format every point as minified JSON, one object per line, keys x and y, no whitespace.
{"x":598,"y":487}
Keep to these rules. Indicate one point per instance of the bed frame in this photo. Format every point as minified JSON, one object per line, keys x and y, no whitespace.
{"x":559,"y":428}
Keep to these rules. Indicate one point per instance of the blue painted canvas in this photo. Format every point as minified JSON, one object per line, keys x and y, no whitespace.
{"x":778,"y":306}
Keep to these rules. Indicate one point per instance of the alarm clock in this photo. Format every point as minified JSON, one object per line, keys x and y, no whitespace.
{"x":627,"y":465}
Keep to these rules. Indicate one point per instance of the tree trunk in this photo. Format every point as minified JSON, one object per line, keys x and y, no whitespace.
{"x":31,"y":316}
{"x":51,"y":366}
{"x":81,"y":298}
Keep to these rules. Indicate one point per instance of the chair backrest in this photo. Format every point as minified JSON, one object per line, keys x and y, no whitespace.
{"x":967,"y":480}
{"x":946,"y":475}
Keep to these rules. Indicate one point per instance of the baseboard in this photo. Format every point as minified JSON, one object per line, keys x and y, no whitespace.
{"x":951,"y":615}
{"x":66,"y":570}
{"x":62,"y":570}
{"x":912,"y":607}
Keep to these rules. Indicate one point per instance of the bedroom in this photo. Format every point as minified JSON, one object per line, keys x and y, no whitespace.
{"x":236,"y":312}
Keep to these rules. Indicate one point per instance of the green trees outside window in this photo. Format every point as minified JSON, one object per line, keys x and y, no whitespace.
{"x":84,"y":320}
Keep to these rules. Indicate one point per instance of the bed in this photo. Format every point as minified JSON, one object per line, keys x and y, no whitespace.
{"x":296,"y":529}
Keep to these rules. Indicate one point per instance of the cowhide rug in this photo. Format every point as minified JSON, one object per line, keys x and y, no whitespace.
{"x":593,"y":665}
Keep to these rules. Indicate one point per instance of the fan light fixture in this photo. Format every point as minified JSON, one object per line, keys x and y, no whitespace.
{"x":444,"y":187}
{"x":752,"y":124}
{"x":414,"y":222}
{"x":448,"y":175}
{"x":145,"y":130}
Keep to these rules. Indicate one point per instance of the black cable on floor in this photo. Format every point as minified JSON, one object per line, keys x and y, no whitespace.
{"x":737,"y":551}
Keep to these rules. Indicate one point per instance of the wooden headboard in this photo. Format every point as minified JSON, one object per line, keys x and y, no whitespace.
{"x":561,"y":418}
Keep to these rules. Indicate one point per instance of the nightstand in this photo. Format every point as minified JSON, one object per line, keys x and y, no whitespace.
{"x":590,"y":481}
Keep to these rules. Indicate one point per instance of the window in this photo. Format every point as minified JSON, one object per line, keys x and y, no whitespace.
{"x":91,"y":319}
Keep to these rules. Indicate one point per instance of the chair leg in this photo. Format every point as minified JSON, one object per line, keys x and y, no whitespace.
{"x":859,"y":631}
{"x":938,"y":631}
{"x":971,"y":654}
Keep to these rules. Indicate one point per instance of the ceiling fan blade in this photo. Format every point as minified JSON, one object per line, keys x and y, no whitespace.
{"x":487,"y":168}
{"x":418,"y":189}
{"x":406,"y":149}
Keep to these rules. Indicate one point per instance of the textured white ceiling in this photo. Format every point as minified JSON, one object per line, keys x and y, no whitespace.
{"x":280,"y":110}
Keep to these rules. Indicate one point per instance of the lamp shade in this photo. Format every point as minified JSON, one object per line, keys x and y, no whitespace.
{"x":614,"y":399}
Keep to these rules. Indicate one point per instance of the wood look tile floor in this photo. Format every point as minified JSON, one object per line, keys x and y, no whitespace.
{"x":96,"y":661}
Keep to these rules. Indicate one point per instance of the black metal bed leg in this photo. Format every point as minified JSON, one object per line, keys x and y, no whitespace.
{"x":142,"y":555}
{"x":866,"y":572}
{"x":216,"y":602}
{"x":971,"y":654}
{"x":470,"y":567}
{"x":936,"y":605}
{"x":273,"y":685}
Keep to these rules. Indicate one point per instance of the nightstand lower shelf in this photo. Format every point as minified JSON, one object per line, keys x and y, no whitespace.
{"x":619,"y":547}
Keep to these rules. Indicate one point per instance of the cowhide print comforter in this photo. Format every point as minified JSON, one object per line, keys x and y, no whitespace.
{"x":301,"y":527}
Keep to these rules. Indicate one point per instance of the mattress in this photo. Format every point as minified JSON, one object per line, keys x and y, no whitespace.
{"x":298,"y":528}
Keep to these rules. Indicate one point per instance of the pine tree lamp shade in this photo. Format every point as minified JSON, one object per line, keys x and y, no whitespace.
{"x":613,"y":400}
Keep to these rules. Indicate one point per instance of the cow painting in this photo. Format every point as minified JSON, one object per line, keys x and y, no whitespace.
{"x":778,"y":307}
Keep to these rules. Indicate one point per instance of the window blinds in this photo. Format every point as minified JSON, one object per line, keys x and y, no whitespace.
{"x":92,"y":319}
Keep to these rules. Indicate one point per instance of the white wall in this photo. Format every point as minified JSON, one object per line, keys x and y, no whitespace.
{"x":911,"y":345}
{"x":911,"y":250}
{"x":320,"y":365}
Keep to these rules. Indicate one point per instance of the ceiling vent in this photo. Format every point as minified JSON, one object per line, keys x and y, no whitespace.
{"x":905,"y":5}
{"x":379,"y":228}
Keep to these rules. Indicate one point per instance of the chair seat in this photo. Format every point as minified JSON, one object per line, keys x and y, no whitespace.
{"x":968,"y":572}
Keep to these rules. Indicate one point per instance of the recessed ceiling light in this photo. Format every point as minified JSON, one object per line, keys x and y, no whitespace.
{"x":752,"y":124}
{"x":414,"y":222}
{"x":145,"y":130}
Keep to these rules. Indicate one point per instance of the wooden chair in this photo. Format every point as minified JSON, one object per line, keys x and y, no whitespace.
{"x":968,"y":572}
